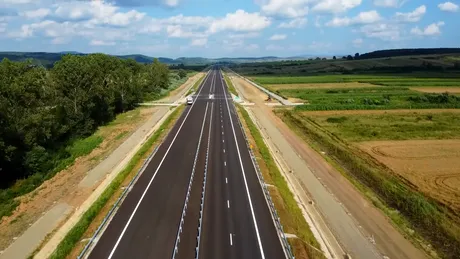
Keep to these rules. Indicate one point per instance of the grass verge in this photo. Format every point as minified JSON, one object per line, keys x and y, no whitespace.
{"x":197,"y":84}
{"x":74,"y":236}
{"x":290,"y":214}
{"x":430,"y":220}
{"x":231,"y":88}
{"x":65,"y":158}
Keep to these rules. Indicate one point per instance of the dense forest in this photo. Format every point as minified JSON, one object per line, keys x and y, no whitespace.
{"x":43,"y":111}
{"x":408,"y":52}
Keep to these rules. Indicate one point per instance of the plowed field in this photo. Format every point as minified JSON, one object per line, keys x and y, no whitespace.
{"x":431,"y":165}
{"x":438,"y":90}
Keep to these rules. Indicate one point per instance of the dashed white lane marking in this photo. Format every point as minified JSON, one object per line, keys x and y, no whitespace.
{"x":224,"y":150}
{"x":228,"y":204}
{"x":223,"y":141}
{"x":231,"y":239}
{"x":225,"y":163}
{"x":222,"y":133}
{"x":226,"y":180}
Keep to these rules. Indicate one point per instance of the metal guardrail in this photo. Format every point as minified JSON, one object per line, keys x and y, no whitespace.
{"x":115,"y":205}
{"x":278,"y":225}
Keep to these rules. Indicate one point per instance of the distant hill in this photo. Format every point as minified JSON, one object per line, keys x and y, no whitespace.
{"x":47,"y":59}
{"x":408,"y":52}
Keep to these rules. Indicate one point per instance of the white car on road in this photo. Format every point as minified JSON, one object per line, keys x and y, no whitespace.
{"x":189,"y":100}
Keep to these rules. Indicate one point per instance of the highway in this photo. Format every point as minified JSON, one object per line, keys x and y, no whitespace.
{"x":202,"y":172}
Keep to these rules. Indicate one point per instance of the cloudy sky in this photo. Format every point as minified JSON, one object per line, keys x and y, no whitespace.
{"x":217,"y":28}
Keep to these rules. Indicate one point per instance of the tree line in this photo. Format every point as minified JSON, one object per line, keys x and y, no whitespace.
{"x":42,"y":111}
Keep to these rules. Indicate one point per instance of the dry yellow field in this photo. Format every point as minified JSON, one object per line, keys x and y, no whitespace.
{"x":433,"y":166}
{"x":453,"y":90}
{"x":320,"y":86}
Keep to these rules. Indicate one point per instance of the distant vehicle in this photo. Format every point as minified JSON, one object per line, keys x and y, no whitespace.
{"x":189,"y":100}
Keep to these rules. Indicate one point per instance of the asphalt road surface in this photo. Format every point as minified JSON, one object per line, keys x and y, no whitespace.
{"x":204,"y":158}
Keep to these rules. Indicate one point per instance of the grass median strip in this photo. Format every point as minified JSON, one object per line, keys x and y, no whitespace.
{"x":231,"y":88}
{"x":292,"y":219}
{"x":93,"y":216}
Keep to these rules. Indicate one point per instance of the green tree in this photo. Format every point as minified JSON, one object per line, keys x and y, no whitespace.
{"x":182,"y":73}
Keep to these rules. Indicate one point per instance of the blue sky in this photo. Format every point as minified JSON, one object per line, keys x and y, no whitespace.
{"x":230,"y":28}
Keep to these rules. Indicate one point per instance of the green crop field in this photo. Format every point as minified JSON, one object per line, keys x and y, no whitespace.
{"x":384,"y":80}
{"x":369,"y":99}
{"x":391,"y":126}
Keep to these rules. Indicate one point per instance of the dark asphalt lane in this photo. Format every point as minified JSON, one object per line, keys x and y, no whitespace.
{"x":229,"y":224}
{"x":152,"y":230}
{"x":236,"y":220}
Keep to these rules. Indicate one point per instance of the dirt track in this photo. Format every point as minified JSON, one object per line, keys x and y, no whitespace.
{"x":370,"y":220}
{"x":453,"y":90}
{"x":431,"y":165}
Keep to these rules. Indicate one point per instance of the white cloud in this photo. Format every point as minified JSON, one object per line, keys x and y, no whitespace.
{"x":3,"y":26}
{"x":278,"y":37}
{"x":16,"y":1}
{"x":189,"y":20}
{"x":240,"y":21}
{"x":431,"y":30}
{"x":199,"y":42}
{"x":165,"y":3}
{"x":335,"y":6}
{"x":243,"y":35}
{"x":59,"y":40}
{"x":414,"y":16}
{"x":272,"y":47}
{"x":361,"y":18}
{"x":171,"y":3}
{"x":153,"y":26}
{"x":448,"y":7}
{"x":357,"y":42}
{"x":251,"y":47}
{"x":282,"y":8}
{"x":97,"y":12}
{"x":318,"y":21}
{"x":383,"y":31}
{"x":294,"y":23}
{"x":39,"y":13}
{"x":101,"y":43}
{"x":389,"y":3}
{"x":177,"y":31}
{"x":25,"y":32}
{"x":319,"y":46}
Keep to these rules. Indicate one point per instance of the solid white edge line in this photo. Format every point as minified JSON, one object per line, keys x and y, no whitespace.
{"x":191,"y":180}
{"x":156,"y":171}
{"x":244,"y":178}
{"x":206,"y":172}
